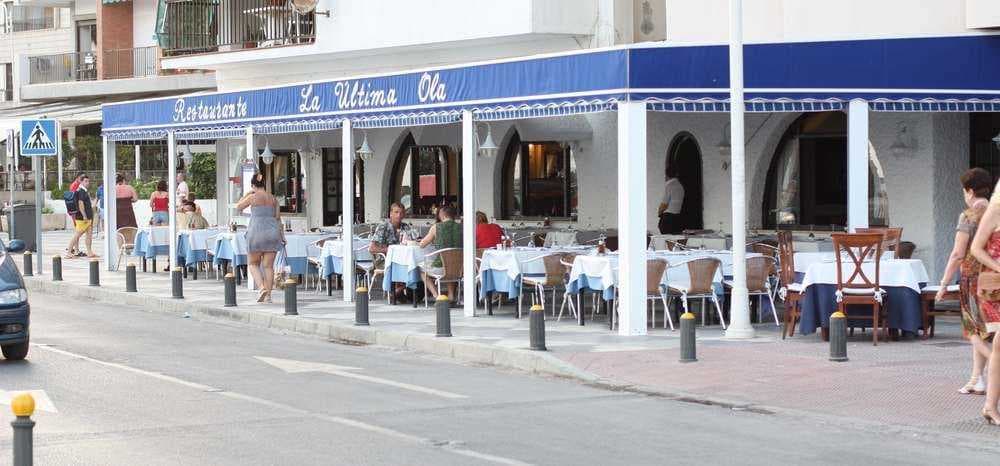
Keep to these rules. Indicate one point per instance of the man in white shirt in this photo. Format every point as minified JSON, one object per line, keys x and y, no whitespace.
{"x":671,"y":205}
{"x":182,"y":188}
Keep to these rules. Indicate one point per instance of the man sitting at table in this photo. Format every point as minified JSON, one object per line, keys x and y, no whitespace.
{"x":391,"y":232}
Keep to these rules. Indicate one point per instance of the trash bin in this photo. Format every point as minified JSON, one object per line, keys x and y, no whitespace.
{"x":24,"y":224}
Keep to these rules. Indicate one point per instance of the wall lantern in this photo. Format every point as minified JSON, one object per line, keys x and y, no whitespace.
{"x":187,"y":156}
{"x":267,"y":155}
{"x":365,"y":152}
{"x":487,"y":148}
{"x":996,"y":141}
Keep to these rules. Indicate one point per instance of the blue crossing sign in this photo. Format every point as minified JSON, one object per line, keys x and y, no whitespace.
{"x":39,"y":138}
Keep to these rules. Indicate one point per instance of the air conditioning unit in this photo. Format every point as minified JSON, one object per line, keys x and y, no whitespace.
{"x":982,"y":14}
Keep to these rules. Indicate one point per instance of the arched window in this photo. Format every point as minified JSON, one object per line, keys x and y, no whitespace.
{"x":807,"y":182}
{"x":425,"y":176}
{"x":539,"y":180}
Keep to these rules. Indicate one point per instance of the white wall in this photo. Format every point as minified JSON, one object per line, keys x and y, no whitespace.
{"x":143,"y":22}
{"x":795,"y":20}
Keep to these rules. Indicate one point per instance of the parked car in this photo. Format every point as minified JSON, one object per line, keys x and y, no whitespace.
{"x":14,"y":308}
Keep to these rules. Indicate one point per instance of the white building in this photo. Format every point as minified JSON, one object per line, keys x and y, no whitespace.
{"x":920,"y":136}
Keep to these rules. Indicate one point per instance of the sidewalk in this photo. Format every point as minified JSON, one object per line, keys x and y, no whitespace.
{"x":907,"y":383}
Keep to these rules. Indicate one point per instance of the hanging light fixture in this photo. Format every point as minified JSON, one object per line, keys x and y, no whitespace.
{"x":267,"y":155}
{"x":187,"y":156}
{"x":996,"y":141}
{"x":488,"y":148}
{"x":365,"y":152}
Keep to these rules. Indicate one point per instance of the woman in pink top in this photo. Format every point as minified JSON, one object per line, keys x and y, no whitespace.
{"x":125,"y":196}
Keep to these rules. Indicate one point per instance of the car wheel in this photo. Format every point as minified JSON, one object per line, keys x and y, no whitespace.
{"x":15,"y":352}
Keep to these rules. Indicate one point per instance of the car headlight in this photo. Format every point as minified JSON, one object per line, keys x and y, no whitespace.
{"x":16,"y":296}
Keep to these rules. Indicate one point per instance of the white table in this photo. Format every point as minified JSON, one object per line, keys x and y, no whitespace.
{"x":332,"y":254}
{"x":515,"y":263}
{"x":909,"y":273}
{"x":402,"y":264}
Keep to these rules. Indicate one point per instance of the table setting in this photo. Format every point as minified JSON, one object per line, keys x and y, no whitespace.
{"x":500,"y":270}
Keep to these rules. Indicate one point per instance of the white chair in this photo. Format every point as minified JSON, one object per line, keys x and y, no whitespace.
{"x":702,"y":272}
{"x":449,"y":272}
{"x":566,"y":261}
{"x":126,"y":243}
{"x":655,"y":291}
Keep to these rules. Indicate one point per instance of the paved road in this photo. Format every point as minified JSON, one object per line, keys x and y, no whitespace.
{"x":132,"y":387}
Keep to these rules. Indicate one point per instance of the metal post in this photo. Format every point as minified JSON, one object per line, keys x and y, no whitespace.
{"x":291,"y":297}
{"x":838,"y":337}
{"x":28,"y":272}
{"x":172,"y":191}
{"x":347,"y":194}
{"x":739,"y":326}
{"x":177,"y":282}
{"x":23,"y":407}
{"x":57,"y":268}
{"x":109,"y":206}
{"x":536,"y":324}
{"x":130,"y":284}
{"x":38,"y":163}
{"x":442,"y":308}
{"x":95,"y":272}
{"x":361,"y":307}
{"x":688,"y":350}
{"x":230,"y":285}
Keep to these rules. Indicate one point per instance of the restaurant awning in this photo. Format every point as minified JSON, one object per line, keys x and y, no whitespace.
{"x":938,"y":74}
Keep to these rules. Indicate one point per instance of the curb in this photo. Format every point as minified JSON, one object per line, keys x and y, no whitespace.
{"x":464,"y":351}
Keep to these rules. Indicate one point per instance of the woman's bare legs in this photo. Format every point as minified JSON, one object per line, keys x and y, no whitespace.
{"x":253,"y":266}
{"x":993,"y":385}
{"x":430,"y":286}
{"x":980,"y":355}
{"x":267,"y":269}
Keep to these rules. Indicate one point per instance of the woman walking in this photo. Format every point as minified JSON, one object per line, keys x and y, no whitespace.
{"x":264,"y":235}
{"x":159,"y":203}
{"x":976,"y":187}
{"x":986,"y":249}
{"x":125,"y":196}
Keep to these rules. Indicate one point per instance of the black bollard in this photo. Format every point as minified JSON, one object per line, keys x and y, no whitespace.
{"x":23,"y":407}
{"x":56,"y":268}
{"x":443,"y":309}
{"x":536,"y":324}
{"x":130,"y":285}
{"x":361,"y":306}
{"x":291,"y":297}
{"x":230,"y":286}
{"x":95,"y":272}
{"x":177,"y":282}
{"x":838,"y":337}
{"x":688,"y":350}
{"x":29,"y":270}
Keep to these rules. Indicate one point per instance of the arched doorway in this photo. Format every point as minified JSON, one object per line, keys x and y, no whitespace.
{"x":685,"y":156}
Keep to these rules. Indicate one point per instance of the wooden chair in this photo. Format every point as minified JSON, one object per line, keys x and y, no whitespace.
{"x":928,"y":311}
{"x":789,"y":290}
{"x":553,"y":278}
{"x":759,"y":284}
{"x":126,"y":243}
{"x":450,"y":272}
{"x":702,"y":272}
{"x":906,"y":250}
{"x":892,"y":237}
{"x":858,"y":287}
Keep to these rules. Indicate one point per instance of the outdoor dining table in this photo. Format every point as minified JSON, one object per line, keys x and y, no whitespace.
{"x":402,"y":265}
{"x":151,"y":242}
{"x":501,"y":270}
{"x":331,"y":256}
{"x":232,"y":247}
{"x":902,"y":280}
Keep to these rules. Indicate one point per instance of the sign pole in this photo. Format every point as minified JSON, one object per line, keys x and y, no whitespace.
{"x":38,"y":163}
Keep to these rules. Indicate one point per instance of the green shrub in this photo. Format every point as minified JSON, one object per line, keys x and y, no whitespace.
{"x":58,"y":191}
{"x":47,"y":210}
{"x":201,"y":176}
{"x":144,"y":189}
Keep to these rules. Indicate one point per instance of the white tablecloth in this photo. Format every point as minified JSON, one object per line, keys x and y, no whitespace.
{"x":158,"y":236}
{"x":559,"y":238}
{"x":803,"y":260}
{"x":517,"y":261}
{"x":198,"y":239}
{"x":605,"y":268}
{"x":909,"y":273}
{"x":410,"y":257}
{"x":335,"y":248}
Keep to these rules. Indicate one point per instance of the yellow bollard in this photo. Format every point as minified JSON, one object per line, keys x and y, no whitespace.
{"x":23,"y":406}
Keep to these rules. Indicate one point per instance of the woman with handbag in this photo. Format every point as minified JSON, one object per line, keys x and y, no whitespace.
{"x":976,"y":187}
{"x":986,"y":249}
{"x":265,"y":237}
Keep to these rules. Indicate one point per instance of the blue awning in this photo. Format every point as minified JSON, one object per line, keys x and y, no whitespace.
{"x":942,"y":74}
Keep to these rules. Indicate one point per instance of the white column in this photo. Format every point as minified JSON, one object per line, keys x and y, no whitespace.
{"x":857,"y":164}
{"x":138,"y":164}
{"x":739,"y":310}
{"x":347,"y":197}
{"x":632,"y":218}
{"x":110,"y":219}
{"x":172,"y":190}
{"x":470,"y":148}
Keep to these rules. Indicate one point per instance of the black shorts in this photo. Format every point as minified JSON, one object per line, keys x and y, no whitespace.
{"x":670,"y":224}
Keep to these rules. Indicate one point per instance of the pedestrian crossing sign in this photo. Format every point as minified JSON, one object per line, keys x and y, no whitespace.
{"x":39,"y":138}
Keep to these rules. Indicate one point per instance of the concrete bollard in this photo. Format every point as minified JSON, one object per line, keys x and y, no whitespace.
{"x":57,"y":268}
{"x":688,"y":349}
{"x":536,"y":324}
{"x":130,"y":283}
{"x":29,"y":269}
{"x":291,"y":297}
{"x":230,"y":290}
{"x":361,"y":306}
{"x":442,"y":308}
{"x":177,"y":283}
{"x":838,"y":337}
{"x":95,"y":272}
{"x":23,"y":407}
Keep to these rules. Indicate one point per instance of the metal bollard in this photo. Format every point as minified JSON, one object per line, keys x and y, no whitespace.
{"x":130,"y":285}
{"x":230,"y":285}
{"x":838,"y":337}
{"x":57,"y":268}
{"x":361,"y":306}
{"x":688,"y":350}
{"x":536,"y":324}
{"x":443,"y":309}
{"x":177,"y":282}
{"x":95,"y":272}
{"x":23,"y":407}
{"x":29,"y":270}
{"x":291,"y":297}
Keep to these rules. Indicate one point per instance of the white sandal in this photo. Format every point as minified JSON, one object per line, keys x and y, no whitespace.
{"x":975,"y":386}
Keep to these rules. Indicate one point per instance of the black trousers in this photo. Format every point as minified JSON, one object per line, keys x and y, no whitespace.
{"x":670,"y":224}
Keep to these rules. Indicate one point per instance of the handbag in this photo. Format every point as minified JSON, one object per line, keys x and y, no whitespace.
{"x":988,"y":288}
{"x":281,"y":274}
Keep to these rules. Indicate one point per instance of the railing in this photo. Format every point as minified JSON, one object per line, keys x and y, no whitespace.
{"x":139,"y":62}
{"x":64,"y":67}
{"x":206,"y":26}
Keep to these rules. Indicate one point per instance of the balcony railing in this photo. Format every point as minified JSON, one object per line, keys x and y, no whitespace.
{"x":138,"y":62}
{"x":206,"y":26}
{"x":63,"y":67}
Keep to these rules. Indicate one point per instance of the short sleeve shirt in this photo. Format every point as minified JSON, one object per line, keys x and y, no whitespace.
{"x":387,"y":235}
{"x":182,"y":191}
{"x":83,"y":196}
{"x":673,"y":196}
